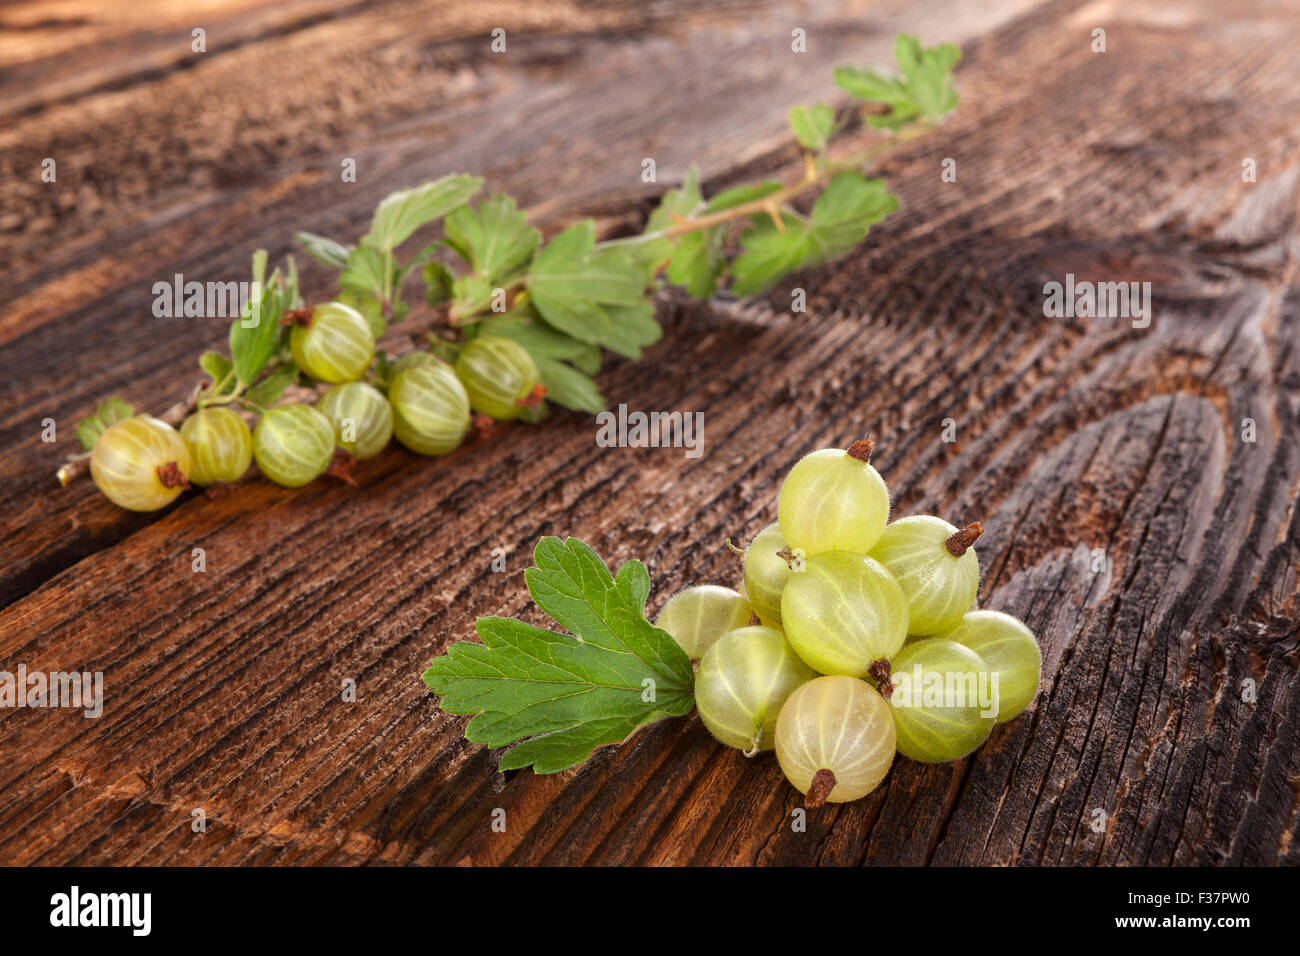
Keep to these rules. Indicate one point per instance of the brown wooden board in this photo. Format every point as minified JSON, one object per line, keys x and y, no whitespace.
{"x":1075,"y":437}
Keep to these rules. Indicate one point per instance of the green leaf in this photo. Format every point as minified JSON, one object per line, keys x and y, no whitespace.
{"x":841,"y":215}
{"x":571,"y":283}
{"x":924,"y":88}
{"x":813,"y":127}
{"x":632,"y":327}
{"x":271,"y":389}
{"x":676,"y":204}
{"x":438,"y":280}
{"x":696,"y":259}
{"x":770,"y":253}
{"x":570,"y":387}
{"x":252,"y":345}
{"x":839,"y":220}
{"x":556,"y":698}
{"x":495,"y":239}
{"x":109,"y":412}
{"x":217,"y":366}
{"x":401,"y":213}
{"x":323,"y":249}
{"x":730,"y":198}
{"x":367,"y":272}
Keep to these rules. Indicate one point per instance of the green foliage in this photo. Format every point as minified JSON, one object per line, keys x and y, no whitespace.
{"x":922,"y":89}
{"x":554,"y":698}
{"x":108,"y":413}
{"x":813,"y":126}
{"x":839,"y":220}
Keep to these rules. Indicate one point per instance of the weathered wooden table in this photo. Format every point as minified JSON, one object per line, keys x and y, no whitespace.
{"x":1152,"y":549}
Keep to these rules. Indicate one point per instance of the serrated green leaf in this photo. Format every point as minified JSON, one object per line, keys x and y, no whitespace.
{"x":495,"y":238}
{"x":271,"y":389}
{"x":924,"y":88}
{"x":401,"y":213}
{"x":438,"y":280}
{"x":110,"y":411}
{"x":556,"y":698}
{"x":841,"y":215}
{"x":812,"y":126}
{"x":632,"y":328}
{"x":571,"y":283}
{"x":770,"y":253}
{"x":323,"y":249}
{"x":367,"y":272}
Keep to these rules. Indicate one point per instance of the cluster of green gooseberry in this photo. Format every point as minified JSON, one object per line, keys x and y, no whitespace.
{"x":869,"y":640}
{"x":142,"y":463}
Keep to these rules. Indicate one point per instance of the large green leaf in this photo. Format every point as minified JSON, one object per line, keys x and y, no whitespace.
{"x":554,"y":697}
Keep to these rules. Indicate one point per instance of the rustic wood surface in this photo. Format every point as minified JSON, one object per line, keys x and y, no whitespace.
{"x":222,"y":688}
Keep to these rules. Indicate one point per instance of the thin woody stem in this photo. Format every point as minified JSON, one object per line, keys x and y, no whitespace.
{"x":771,"y":203}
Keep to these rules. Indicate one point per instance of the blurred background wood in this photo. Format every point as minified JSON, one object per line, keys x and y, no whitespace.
{"x":223,"y":687}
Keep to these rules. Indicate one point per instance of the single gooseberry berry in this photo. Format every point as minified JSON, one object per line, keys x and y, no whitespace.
{"x":835,"y":739}
{"x":935,"y":565}
{"x":833,"y":500}
{"x":499,"y":375}
{"x":766,"y":573}
{"x":361,"y":418}
{"x":334,"y":344}
{"x":430,"y":408}
{"x":220,"y":445}
{"x":1009,"y":649}
{"x":743,"y":680}
{"x":943,"y":697}
{"x":293,"y":445}
{"x":140,"y":463}
{"x":843,"y":613}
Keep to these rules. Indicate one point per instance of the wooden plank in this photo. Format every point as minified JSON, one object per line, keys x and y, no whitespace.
{"x":1074,"y":435}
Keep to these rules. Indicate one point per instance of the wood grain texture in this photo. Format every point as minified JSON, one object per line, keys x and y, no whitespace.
{"x":1073,"y":434}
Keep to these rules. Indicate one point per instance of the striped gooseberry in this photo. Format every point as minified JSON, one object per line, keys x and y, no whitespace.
{"x":742,"y":682}
{"x":1009,"y":649}
{"x":943,"y":697}
{"x":766,"y":573}
{"x":697,"y":616}
{"x":833,"y":500}
{"x":140,"y":463}
{"x":293,"y":445}
{"x":430,"y":408}
{"x":334,"y":345}
{"x":835,"y":739}
{"x":361,"y":418}
{"x":499,"y":375}
{"x":844,"y":613}
{"x":220,"y":445}
{"x":936,"y":567}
